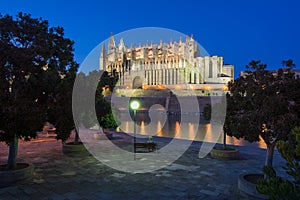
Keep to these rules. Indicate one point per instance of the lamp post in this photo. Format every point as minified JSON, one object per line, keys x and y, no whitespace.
{"x":134,"y":105}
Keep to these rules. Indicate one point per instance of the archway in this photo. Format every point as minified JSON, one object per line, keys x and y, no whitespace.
{"x":137,"y":83}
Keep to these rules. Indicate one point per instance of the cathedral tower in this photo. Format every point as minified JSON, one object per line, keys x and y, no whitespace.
{"x":103,"y":58}
{"x":111,"y":44}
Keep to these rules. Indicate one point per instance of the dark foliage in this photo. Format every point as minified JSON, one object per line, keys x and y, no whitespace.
{"x":263,"y":105}
{"x":278,"y":187}
{"x":34,"y":58}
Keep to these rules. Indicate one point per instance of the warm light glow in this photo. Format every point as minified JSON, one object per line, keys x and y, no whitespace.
{"x":143,"y":127}
{"x":159,"y":128}
{"x":145,"y":86}
{"x":134,"y":105}
{"x":105,"y":88}
{"x":225,"y":88}
{"x":45,"y":67}
{"x":191,"y":131}
{"x":208,"y":133}
{"x":177,"y":87}
{"x":207,"y":88}
{"x":126,"y":127}
{"x":177,"y":132}
{"x":177,"y":128}
{"x":264,"y":128}
{"x":261,"y":143}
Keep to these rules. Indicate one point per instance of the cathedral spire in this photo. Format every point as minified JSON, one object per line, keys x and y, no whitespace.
{"x":187,"y":38}
{"x":122,"y":45}
{"x":111,"y":43}
{"x":102,"y":58}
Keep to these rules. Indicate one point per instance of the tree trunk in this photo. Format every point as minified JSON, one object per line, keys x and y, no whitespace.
{"x":224,"y":140}
{"x":224,"y":137}
{"x":76,"y":140}
{"x":12,"y":154}
{"x":270,"y":152}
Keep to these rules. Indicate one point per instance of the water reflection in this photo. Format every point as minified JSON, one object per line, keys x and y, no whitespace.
{"x":142,"y":126}
{"x":178,"y":127}
{"x":159,"y":129}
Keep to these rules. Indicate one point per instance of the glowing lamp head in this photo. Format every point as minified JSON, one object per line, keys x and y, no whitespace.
{"x":134,"y":105}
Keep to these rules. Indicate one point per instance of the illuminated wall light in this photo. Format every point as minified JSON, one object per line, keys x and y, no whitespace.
{"x":207,"y":88}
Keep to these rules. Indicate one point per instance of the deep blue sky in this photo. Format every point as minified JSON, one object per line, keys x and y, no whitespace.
{"x":238,"y":30}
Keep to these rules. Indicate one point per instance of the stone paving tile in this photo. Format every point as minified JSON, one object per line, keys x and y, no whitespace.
{"x":55,"y":196}
{"x":7,"y":196}
{"x":209,"y":192}
{"x":61,"y":177}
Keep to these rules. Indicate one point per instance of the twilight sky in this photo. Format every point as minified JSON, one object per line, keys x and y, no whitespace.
{"x":238,"y":30}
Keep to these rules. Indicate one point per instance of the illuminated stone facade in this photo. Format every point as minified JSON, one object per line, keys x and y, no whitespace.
{"x":174,"y":65}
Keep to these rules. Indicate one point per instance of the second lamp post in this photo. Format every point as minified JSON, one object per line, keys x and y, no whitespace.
{"x":134,"y":105}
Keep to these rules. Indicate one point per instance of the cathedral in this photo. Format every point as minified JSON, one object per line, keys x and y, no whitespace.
{"x":174,"y":65}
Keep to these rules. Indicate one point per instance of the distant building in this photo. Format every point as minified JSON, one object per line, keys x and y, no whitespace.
{"x":173,"y":65}
{"x":295,"y":71}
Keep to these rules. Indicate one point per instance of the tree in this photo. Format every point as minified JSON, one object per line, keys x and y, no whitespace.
{"x":207,"y":112}
{"x":108,"y":121}
{"x":288,"y":63}
{"x":107,"y":80}
{"x":34,"y":58}
{"x":90,"y":87}
{"x":218,"y":114}
{"x":105,"y":111}
{"x":277,"y":187}
{"x":60,"y":109}
{"x":263,"y":106}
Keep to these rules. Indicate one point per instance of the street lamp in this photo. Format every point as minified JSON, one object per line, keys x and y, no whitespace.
{"x":134,"y":105}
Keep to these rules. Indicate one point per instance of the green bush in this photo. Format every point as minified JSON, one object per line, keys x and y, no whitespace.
{"x":108,"y":121}
{"x":277,"y":187}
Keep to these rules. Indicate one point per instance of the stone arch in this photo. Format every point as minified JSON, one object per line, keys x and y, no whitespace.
{"x":137,"y":83}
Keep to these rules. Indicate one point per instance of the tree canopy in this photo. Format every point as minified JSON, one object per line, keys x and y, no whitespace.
{"x":34,"y":60}
{"x":89,"y":88}
{"x":263,"y":105}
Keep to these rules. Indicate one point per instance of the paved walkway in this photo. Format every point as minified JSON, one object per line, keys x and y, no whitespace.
{"x":59,"y":177}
